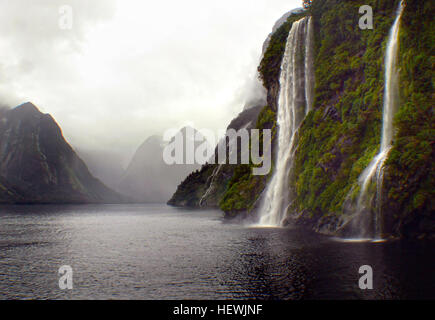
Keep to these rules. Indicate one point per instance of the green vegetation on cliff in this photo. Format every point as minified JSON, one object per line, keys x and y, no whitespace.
{"x":270,"y":65}
{"x":244,"y":188}
{"x":410,"y":175}
{"x":190,"y":191}
{"x":207,"y":187}
{"x":340,"y":136}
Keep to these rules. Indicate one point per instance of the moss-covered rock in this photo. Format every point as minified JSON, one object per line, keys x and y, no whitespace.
{"x":410,"y":177}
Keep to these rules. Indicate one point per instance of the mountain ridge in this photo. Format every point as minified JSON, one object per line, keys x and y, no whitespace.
{"x":37,"y":165}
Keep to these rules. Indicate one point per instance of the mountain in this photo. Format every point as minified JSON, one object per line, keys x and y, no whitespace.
{"x":340,"y":133}
{"x":37,"y":165}
{"x":148,"y":178}
{"x":205,"y":187}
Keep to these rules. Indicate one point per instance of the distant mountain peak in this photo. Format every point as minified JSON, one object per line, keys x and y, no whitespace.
{"x":37,"y":165}
{"x":26,"y":107}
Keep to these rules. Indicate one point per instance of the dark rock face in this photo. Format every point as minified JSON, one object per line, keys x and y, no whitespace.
{"x":37,"y":165}
{"x":331,"y":112}
{"x":272,"y":95}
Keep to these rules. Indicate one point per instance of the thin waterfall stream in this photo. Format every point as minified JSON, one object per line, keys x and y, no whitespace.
{"x":368,"y":220}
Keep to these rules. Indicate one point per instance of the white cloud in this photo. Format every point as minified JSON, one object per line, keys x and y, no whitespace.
{"x":132,"y":68}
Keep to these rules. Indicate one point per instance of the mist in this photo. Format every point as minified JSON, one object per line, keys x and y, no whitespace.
{"x":127,"y":70}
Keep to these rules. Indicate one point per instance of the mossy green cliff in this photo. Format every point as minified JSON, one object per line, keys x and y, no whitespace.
{"x":341,"y":134}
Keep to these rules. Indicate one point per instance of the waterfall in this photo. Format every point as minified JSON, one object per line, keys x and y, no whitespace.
{"x":294,"y":102}
{"x":309,"y":66}
{"x":211,"y":181}
{"x":367,"y":222}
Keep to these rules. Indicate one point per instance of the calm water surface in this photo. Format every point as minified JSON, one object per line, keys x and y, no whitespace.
{"x":158,"y":252}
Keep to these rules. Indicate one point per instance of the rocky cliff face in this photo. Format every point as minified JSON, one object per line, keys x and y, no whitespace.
{"x":341,"y":134}
{"x":206,"y":187}
{"x":37,"y":165}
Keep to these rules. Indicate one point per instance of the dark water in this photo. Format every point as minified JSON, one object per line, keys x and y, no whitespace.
{"x":157,"y":252}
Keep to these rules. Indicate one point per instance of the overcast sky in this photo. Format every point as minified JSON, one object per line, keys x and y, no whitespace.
{"x":129,"y":69}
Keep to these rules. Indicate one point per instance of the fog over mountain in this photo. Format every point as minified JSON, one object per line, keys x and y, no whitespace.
{"x":131,"y":69}
{"x":148,"y":177}
{"x":106,"y":165}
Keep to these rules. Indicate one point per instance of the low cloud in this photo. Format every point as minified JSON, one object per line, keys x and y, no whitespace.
{"x":130,"y":69}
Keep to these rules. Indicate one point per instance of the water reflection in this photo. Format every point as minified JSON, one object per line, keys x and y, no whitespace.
{"x":156,"y":252}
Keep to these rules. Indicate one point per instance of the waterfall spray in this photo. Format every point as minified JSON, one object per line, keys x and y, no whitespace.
{"x":295,"y":101}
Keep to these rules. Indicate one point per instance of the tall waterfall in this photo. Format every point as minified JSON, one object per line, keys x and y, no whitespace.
{"x":295,"y":100}
{"x":368,"y":222}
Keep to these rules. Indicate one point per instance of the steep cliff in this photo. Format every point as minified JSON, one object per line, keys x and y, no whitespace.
{"x":410,"y":176}
{"x":37,"y":165}
{"x":205,"y":187}
{"x":341,"y":134}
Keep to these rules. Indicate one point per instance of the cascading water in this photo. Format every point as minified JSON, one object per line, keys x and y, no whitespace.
{"x":367,"y":222}
{"x":295,"y":100}
{"x":309,"y":66}
{"x":212,"y":185}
